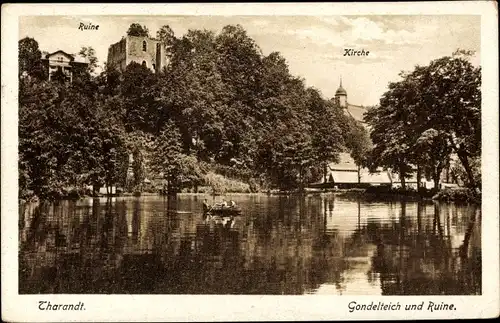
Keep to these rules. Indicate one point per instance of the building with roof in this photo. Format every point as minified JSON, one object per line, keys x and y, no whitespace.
{"x":63,"y":62}
{"x":346,"y":173}
{"x":148,"y":52}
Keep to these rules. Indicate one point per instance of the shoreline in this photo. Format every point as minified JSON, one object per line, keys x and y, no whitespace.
{"x":460,"y":196}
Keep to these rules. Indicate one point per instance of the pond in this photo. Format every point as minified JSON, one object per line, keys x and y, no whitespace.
{"x":314,"y":244}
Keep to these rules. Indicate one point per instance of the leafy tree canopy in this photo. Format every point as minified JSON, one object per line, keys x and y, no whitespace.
{"x":138,"y":30}
{"x":432,"y":111}
{"x":30,"y":59}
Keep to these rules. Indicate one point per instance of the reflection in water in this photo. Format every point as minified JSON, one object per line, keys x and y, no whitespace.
{"x":279,"y":245}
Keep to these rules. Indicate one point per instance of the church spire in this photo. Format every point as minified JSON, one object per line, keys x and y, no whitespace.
{"x":341,"y":95}
{"x":340,"y":90}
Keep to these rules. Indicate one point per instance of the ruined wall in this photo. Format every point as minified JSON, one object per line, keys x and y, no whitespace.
{"x":117,"y":54}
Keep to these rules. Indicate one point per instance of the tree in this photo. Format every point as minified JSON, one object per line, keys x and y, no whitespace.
{"x":390,"y":133}
{"x":138,"y":96}
{"x":198,"y":96}
{"x":136,"y":29}
{"x":450,"y":88}
{"x":285,"y":154}
{"x":239,"y":63}
{"x":433,"y":149}
{"x":190,"y":173}
{"x":357,"y":141}
{"x":108,"y":81}
{"x":89,"y":54}
{"x":327,"y":139}
{"x":138,"y":169}
{"x":166,"y":36}
{"x":68,"y":138}
{"x":432,"y":111}
{"x":167,"y":158}
{"x":30,"y":59}
{"x":37,"y":163}
{"x":139,"y":145}
{"x":219,"y":103}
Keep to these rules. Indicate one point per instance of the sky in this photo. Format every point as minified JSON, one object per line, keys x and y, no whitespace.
{"x":312,"y":45}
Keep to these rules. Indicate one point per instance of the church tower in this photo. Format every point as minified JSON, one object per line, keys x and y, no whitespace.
{"x":341,"y":96}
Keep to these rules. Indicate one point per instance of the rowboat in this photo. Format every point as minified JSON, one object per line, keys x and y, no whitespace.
{"x":224,"y":210}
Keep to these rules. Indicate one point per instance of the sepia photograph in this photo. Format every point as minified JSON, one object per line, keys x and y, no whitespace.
{"x":252,"y":154}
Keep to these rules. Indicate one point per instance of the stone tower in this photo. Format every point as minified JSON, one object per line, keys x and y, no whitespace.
{"x":341,"y":96}
{"x":146,"y":51}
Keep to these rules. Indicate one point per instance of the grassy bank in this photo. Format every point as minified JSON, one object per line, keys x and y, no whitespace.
{"x":219,"y":184}
{"x":461,"y":195}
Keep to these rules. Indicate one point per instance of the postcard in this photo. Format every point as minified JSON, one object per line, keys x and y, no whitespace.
{"x":249,"y":162}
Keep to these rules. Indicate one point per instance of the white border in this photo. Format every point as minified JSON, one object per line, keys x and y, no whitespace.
{"x":234,"y":308}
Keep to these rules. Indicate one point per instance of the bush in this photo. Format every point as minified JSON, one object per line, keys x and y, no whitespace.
{"x":462,"y":195}
{"x":221,"y":184}
{"x":231,"y":172}
{"x":426,"y":192}
{"x":254,"y":185}
{"x":382,"y":189}
{"x":74,"y":194}
{"x":386,"y":192}
{"x":204,"y":189}
{"x":26,"y":194}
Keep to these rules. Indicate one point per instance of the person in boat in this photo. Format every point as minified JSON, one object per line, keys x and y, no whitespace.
{"x":224,"y":203}
{"x":232,"y":203}
{"x":206,"y":206}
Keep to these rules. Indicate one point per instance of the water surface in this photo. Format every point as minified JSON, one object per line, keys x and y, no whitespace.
{"x":319,"y":244}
